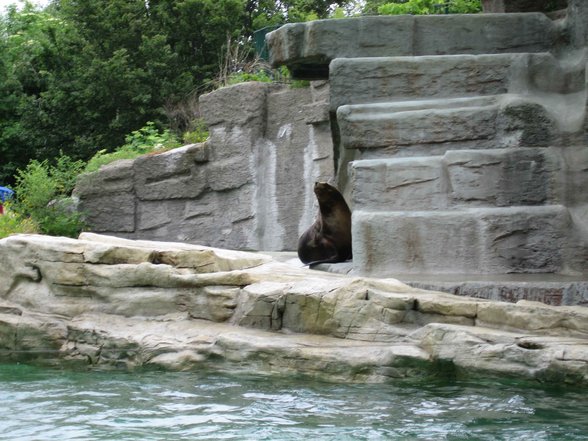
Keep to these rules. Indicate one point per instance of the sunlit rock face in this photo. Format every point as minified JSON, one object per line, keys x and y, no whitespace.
{"x":109,"y":302}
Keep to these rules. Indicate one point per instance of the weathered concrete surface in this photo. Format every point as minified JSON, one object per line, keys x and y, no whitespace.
{"x":460,"y":179}
{"x":308,"y":48}
{"x":109,"y":302}
{"x":479,"y":240}
{"x":550,"y":289}
{"x":386,"y":79}
{"x":431,"y":127}
{"x":249,"y":186}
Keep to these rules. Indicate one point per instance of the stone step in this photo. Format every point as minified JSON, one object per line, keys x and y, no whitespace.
{"x":458,"y":179}
{"x":385,"y":79}
{"x":307,"y":48}
{"x":550,"y":289}
{"x":474,"y":240}
{"x":431,"y":127}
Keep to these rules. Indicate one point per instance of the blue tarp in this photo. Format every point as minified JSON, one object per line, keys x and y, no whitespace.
{"x":5,"y":193}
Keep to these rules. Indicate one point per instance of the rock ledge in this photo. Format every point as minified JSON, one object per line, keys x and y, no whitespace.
{"x":111,"y":302}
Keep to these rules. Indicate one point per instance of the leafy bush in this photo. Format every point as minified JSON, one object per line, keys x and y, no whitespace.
{"x":103,"y":158}
{"x":148,"y":138}
{"x":198,"y":134}
{"x":243,"y":77}
{"x":42,"y":202}
{"x":13,"y":223}
{"x":34,"y":189}
{"x":145,"y":140}
{"x":419,"y":7}
{"x":60,"y":218}
{"x":65,"y":172}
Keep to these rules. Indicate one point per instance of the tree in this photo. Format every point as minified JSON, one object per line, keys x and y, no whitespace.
{"x":262,"y":13}
{"x":428,"y":7}
{"x":79,"y":75}
{"x":36,"y":48}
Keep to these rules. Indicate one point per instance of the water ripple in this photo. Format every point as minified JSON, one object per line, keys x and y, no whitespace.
{"x":47,"y":404}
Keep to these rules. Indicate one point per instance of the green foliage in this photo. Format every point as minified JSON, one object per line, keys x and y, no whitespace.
{"x":420,"y":7}
{"x":338,"y":13}
{"x":262,"y":13}
{"x":149,"y":138}
{"x":299,"y":84}
{"x":198,"y":134}
{"x":61,"y":219}
{"x":79,"y":75}
{"x":139,"y":142}
{"x":40,"y":199}
{"x":243,"y":77}
{"x":34,"y":188}
{"x":13,"y":223}
{"x":65,"y":172}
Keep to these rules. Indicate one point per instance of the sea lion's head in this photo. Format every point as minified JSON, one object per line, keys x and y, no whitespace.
{"x":326,"y":193}
{"x":322,"y":190}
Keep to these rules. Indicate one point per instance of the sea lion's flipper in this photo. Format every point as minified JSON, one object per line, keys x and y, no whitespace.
{"x":333,"y":259}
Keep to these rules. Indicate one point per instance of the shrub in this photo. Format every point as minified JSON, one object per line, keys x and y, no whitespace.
{"x":418,"y":7}
{"x":139,"y":142}
{"x":198,"y":134}
{"x":13,"y":223}
{"x":42,"y":193}
{"x":60,"y":219}
{"x":243,"y":77}
{"x":65,"y":172}
{"x":34,"y":188}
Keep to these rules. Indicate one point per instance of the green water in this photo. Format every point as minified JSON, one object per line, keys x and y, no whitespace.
{"x":46,"y":404}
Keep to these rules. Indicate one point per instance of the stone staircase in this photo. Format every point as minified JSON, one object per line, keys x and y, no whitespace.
{"x":458,"y":137}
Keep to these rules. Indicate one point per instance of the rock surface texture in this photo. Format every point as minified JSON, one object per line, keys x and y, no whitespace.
{"x":117,"y":303}
{"x":462,"y":138}
{"x":249,"y":186}
{"x":459,"y":141}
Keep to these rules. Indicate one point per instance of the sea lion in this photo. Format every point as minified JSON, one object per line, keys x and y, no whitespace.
{"x":328,"y":240}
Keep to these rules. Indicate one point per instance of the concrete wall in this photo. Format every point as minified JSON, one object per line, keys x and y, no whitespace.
{"x":461,"y":138}
{"x":460,"y":142}
{"x":248,"y":187}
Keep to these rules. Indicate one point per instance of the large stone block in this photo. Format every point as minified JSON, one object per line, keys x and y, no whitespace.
{"x":307,"y":48}
{"x":525,"y":124}
{"x":298,"y":152}
{"x":504,"y":177}
{"x":230,"y":173}
{"x":524,"y":239}
{"x":399,"y":184}
{"x":460,"y":178}
{"x":115,"y":177}
{"x":228,"y":142}
{"x":110,"y":212}
{"x":576,"y":161}
{"x":174,"y":174}
{"x":369,"y":80}
{"x":433,"y":126}
{"x":406,"y":124}
{"x":158,"y":215}
{"x":239,"y":105}
{"x":489,"y":240}
{"x":395,"y":242}
{"x":578,"y":22}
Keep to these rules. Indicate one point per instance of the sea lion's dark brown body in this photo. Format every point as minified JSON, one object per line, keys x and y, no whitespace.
{"x":328,"y":240}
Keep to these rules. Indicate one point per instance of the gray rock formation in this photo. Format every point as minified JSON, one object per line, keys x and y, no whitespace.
{"x":249,"y":186}
{"x":115,"y":303}
{"x":461,"y":138}
{"x":459,"y":141}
